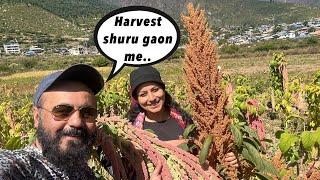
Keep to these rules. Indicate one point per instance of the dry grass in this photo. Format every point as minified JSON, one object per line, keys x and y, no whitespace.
{"x":256,"y":67}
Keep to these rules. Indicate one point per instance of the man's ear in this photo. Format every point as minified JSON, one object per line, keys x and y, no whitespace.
{"x":36,"y":116}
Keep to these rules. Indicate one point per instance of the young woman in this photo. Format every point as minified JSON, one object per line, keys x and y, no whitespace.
{"x":152,"y":107}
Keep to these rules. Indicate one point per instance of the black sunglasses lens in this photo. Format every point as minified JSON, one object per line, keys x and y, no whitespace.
{"x":88,"y":112}
{"x":62,"y":111}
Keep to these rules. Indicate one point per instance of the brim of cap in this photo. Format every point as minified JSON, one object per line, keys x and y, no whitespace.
{"x":85,"y":74}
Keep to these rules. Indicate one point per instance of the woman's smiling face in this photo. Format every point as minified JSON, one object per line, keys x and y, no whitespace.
{"x":151,"y":97}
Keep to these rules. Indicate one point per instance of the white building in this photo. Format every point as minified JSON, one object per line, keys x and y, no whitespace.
{"x":291,"y":35}
{"x":79,"y":50}
{"x":36,"y":49}
{"x":12,"y":48}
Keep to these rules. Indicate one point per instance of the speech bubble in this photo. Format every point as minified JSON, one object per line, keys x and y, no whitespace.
{"x":136,"y":36}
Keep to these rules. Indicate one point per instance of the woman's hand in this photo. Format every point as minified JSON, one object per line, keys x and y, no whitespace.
{"x":231,"y":160}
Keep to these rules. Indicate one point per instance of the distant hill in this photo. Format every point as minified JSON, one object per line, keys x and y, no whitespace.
{"x":253,"y":12}
{"x":23,"y":18}
{"x":308,"y":2}
{"x":75,"y":11}
{"x":172,"y":7}
{"x":233,"y":12}
{"x":78,"y":17}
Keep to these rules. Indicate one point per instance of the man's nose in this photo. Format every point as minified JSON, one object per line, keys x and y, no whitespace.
{"x":76,"y":120}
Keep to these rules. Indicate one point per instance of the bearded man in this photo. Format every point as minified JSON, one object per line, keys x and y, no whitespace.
{"x":64,"y":111}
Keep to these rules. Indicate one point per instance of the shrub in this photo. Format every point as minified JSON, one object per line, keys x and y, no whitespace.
{"x":179,"y":53}
{"x":100,"y":62}
{"x":29,"y":63}
{"x":311,"y":41}
{"x":4,"y":68}
{"x":266,"y":47}
{"x":232,"y":49}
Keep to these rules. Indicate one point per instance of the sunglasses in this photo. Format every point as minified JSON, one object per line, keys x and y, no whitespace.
{"x":64,"y":111}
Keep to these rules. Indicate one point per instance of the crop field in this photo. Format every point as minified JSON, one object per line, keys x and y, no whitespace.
{"x":259,"y":101}
{"x":300,"y":66}
{"x":250,"y":73}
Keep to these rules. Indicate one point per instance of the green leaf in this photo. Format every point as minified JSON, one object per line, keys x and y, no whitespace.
{"x":205,"y":149}
{"x":183,"y":146}
{"x":236,"y":113}
{"x":286,"y":141}
{"x":267,"y":140}
{"x":294,"y":156}
{"x":241,"y":124}
{"x":243,"y":106}
{"x":263,"y":176}
{"x":246,"y":155}
{"x":278,"y":133}
{"x":282,"y":173}
{"x":256,"y":143}
{"x":307,"y":140}
{"x":269,"y":168}
{"x":237,"y":135}
{"x":13,"y":143}
{"x":251,"y":154}
{"x":32,"y":138}
{"x":188,"y":130}
{"x":251,"y":132}
{"x":317,"y":136}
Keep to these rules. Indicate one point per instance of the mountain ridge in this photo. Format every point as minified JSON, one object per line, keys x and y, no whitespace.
{"x":306,"y":2}
{"x":79,"y":15}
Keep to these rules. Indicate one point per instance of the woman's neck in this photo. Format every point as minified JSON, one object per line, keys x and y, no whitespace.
{"x":157,"y":117}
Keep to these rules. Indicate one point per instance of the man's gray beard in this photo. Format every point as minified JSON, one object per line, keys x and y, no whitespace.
{"x":73,"y":160}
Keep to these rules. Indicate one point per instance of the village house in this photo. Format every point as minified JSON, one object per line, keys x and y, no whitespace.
{"x":12,"y":48}
{"x":36,"y":49}
{"x":78,"y":50}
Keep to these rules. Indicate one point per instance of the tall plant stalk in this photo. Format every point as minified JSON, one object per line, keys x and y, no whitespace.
{"x":205,"y":92}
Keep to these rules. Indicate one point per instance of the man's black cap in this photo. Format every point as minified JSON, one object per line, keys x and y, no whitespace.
{"x":142,"y":75}
{"x":86,"y":74}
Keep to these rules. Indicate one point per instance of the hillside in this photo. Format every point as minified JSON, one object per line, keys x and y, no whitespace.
{"x":78,"y":17}
{"x":21,"y":18}
{"x":233,"y":12}
{"x":252,"y":12}
{"x":308,"y":2}
{"x":79,"y":12}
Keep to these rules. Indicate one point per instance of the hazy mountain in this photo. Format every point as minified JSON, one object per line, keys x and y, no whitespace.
{"x":307,"y":2}
{"x":233,"y":12}
{"x":72,"y":16}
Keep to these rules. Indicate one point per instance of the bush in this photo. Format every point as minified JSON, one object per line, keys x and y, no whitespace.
{"x":4,"y":70}
{"x":29,"y":63}
{"x":311,"y":41}
{"x":266,"y":47}
{"x":100,"y":62}
{"x":232,"y":49}
{"x":179,"y":53}
{"x":306,"y":42}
